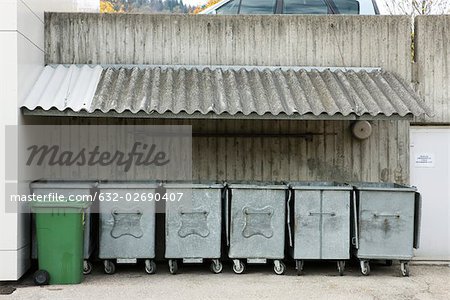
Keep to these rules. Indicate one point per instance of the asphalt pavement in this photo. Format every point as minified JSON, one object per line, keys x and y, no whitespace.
{"x":319,"y":281}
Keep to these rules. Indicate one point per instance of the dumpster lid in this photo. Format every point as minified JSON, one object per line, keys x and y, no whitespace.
{"x":196,"y":184}
{"x":61,"y":204}
{"x":62,"y":184}
{"x":319,"y":185}
{"x":129,"y":184}
{"x":266,"y":185}
{"x":382,"y":186}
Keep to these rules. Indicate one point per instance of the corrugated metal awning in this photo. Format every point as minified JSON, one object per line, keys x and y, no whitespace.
{"x":222,"y":92}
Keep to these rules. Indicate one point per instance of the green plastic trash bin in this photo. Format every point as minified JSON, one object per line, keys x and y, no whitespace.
{"x":59,"y":232}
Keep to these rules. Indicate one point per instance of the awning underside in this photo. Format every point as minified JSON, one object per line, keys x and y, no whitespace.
{"x":222,"y":92}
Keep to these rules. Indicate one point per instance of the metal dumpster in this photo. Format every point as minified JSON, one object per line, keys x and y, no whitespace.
{"x":193,"y":223}
{"x":256,"y":220}
{"x":127,"y":223}
{"x":68,"y":189}
{"x":386,"y":221}
{"x":319,"y":222}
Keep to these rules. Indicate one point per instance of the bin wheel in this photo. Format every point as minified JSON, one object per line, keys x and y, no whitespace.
{"x":341,"y":267}
{"x":279,"y":267}
{"x":216,"y":266}
{"x":299,"y":266}
{"x":150,"y":266}
{"x":173,"y":266}
{"x":405,"y":269}
{"x":238,"y":267}
{"x":87,"y":267}
{"x":365,"y":267}
{"x":110,"y":267}
{"x":388,"y":262}
{"x":41,"y":277}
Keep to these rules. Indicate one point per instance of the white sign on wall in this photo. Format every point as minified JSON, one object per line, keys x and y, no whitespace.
{"x":424,"y":160}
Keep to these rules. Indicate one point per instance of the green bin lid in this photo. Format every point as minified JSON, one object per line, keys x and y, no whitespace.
{"x":62,"y":184}
{"x":61,"y":204}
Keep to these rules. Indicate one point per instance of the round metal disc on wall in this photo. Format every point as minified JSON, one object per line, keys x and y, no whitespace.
{"x":362,"y":130}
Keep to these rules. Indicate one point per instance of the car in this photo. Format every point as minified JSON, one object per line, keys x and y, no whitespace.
{"x":258,"y":7}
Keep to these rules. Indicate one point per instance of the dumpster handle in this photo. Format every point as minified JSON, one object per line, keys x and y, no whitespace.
{"x":203,"y":212}
{"x":417,"y":218}
{"x":322,"y":213}
{"x":116,"y":212}
{"x":386,"y":215}
{"x":246,"y":212}
{"x":227,"y":214}
{"x":291,"y":244}
{"x":355,"y":239}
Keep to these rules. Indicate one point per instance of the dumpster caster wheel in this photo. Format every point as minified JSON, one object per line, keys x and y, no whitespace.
{"x":299,"y":266}
{"x":110,"y":267}
{"x":341,"y":267}
{"x":279,"y":267}
{"x":388,"y":263}
{"x":41,"y":277}
{"x":150,"y":266}
{"x":216,"y":266}
{"x":173,"y":266}
{"x":238,"y":267}
{"x":365,"y":267}
{"x":87,"y":267}
{"x":405,"y":269}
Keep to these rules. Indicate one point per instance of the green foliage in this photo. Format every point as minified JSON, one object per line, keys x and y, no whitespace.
{"x":151,"y":6}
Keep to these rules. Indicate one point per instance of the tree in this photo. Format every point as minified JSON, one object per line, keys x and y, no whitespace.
{"x":110,"y":6}
{"x":204,"y":6}
{"x":416,"y":7}
{"x":106,"y":7}
{"x":144,"y":6}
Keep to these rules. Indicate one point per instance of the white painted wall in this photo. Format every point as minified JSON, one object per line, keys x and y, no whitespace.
{"x":433,"y":181}
{"x":21,"y":60}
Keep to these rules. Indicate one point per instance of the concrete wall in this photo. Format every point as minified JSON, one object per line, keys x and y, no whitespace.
{"x":327,"y":150}
{"x":258,"y":40}
{"x":433,"y":65}
{"x":358,"y":41}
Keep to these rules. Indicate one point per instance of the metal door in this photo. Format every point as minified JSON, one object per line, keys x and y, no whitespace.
{"x":322,"y":224}
{"x":307,"y":241}
{"x":430,"y":173}
{"x":335,"y":233}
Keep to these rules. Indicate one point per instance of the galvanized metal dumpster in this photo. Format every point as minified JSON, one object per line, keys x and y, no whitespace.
{"x":319,"y":222}
{"x":68,"y":189}
{"x":127,"y":223}
{"x":386,"y":218}
{"x":256,"y":213}
{"x":193,"y":223}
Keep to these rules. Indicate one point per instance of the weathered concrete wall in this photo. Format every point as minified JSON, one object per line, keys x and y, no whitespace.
{"x":331,"y":154}
{"x":328,"y":153}
{"x":432,"y":43}
{"x":358,"y":41}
